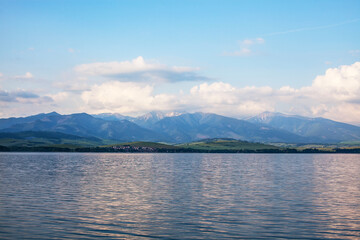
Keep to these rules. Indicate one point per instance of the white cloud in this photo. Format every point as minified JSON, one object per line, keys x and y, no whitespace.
{"x":216,"y":93}
{"x":112,"y":68}
{"x":246,"y":46}
{"x":338,"y":84}
{"x":225,"y":99}
{"x":27,"y":75}
{"x":61,"y":96}
{"x":334,"y":95}
{"x":135,"y":98}
{"x":139,"y":70}
{"x":1,"y":75}
{"x":126,"y":97}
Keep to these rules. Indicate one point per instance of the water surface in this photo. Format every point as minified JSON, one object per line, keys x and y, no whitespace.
{"x":179,"y":196}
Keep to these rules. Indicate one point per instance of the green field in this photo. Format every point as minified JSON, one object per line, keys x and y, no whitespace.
{"x":227,"y":144}
{"x":49,"y":139}
{"x":54,"y":141}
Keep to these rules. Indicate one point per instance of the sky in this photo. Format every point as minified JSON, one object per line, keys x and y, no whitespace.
{"x":235,"y":58}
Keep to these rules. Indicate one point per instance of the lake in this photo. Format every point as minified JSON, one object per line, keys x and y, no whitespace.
{"x":179,"y":196}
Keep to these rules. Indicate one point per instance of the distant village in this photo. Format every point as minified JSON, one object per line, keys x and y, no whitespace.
{"x":128,"y":148}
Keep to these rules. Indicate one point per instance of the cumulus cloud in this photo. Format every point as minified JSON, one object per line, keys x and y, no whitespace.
{"x":225,"y":99}
{"x":126,"y":97}
{"x":338,"y":84}
{"x":135,"y":98}
{"x":335,"y":95}
{"x":140,"y":70}
{"x":27,"y":75}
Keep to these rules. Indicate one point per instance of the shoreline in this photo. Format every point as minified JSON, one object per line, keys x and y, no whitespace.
{"x":264,"y":151}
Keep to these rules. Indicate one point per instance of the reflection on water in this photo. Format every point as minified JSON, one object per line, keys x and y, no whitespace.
{"x":179,"y":196}
{"x":337,"y":175}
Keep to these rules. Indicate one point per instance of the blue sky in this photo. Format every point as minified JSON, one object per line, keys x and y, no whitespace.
{"x":242,"y":44}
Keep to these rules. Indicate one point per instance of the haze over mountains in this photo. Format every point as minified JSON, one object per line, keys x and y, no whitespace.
{"x":324,"y":130}
{"x":186,"y":127}
{"x":81,"y":124}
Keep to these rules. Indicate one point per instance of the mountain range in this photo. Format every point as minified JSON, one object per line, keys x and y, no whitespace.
{"x":187,"y":127}
{"x":320,"y":129}
{"x":81,"y":124}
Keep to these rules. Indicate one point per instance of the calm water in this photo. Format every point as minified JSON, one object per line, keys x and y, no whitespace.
{"x":179,"y":196}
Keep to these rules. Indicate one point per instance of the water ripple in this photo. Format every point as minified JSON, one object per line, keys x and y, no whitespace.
{"x":179,"y":196}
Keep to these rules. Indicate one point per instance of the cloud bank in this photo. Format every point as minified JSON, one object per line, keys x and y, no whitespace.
{"x":21,"y":97}
{"x":334,"y":95}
